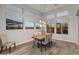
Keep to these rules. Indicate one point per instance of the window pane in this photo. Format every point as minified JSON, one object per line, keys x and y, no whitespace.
{"x":38,"y":26}
{"x":65,"y":28}
{"x":58,"y":28}
{"x":11,"y":23}
{"x":29,"y":24}
{"x":51,"y":25}
{"x":37,"y":23}
{"x":48,"y":28}
{"x":52,"y":29}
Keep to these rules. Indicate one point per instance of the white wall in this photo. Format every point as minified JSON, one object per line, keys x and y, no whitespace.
{"x":72,"y":35}
{"x":2,"y":20}
{"x":19,"y":36}
{"x":78,"y":22}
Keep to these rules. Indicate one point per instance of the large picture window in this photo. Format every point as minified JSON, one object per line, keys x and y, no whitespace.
{"x":18,"y":18}
{"x":62,"y":22}
{"x":13,"y":17}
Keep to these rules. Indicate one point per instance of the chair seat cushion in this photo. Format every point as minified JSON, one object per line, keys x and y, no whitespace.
{"x":44,"y":43}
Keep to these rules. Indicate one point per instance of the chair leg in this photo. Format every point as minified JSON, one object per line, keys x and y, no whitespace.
{"x":54,"y":44}
{"x":48,"y":45}
{"x":38,"y":45}
{"x":6,"y":48}
{"x":33,"y":44}
{"x":51,"y":42}
{"x":10,"y":49}
{"x":1,"y":49}
{"x":41,"y":46}
{"x":45,"y":48}
{"x":14,"y":45}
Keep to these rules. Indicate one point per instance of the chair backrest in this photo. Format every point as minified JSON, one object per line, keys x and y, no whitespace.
{"x":39,"y":33}
{"x":50,"y":37}
{"x":47,"y":38}
{"x":4,"y":38}
{"x":35,"y":34}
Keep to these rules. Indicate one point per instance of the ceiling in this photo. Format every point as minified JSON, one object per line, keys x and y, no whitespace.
{"x":45,"y":7}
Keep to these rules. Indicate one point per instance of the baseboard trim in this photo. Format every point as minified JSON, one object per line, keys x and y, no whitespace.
{"x":23,"y":42}
{"x":67,"y":41}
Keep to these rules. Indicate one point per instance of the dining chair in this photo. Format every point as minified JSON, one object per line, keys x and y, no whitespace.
{"x":5,"y":43}
{"x":35,"y":43}
{"x":51,"y":41}
{"x":45,"y":43}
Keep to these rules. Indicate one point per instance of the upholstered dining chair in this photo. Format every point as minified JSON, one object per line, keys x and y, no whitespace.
{"x":45,"y":43}
{"x":51,"y":41}
{"x":5,"y":43}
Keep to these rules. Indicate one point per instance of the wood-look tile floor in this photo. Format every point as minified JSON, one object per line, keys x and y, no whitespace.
{"x":60,"y":48}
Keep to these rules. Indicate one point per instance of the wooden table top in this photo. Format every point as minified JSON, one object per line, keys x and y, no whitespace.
{"x":39,"y":37}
